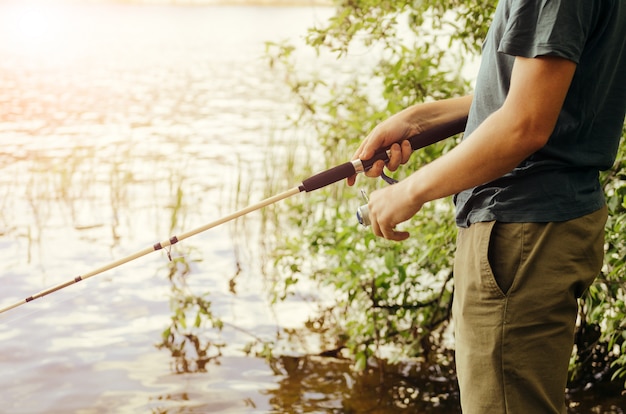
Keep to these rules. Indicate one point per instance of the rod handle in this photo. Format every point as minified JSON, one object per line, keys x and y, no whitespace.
{"x":421,"y":140}
{"x":329,"y":176}
{"x":345,"y":170}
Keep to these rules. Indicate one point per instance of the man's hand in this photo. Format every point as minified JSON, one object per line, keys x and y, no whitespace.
{"x":398,"y":154}
{"x":386,"y":214}
{"x":395,"y":131}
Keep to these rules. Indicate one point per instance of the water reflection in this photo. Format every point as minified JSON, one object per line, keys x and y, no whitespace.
{"x":189,"y":334}
{"x":329,"y":385}
{"x":119,"y":126}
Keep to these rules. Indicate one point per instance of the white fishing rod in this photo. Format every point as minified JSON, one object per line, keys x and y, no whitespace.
{"x":312,"y":183}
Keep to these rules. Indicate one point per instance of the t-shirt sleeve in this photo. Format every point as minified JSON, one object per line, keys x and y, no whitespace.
{"x":546,"y":28}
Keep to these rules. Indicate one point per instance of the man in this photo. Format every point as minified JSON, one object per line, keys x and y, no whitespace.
{"x":546,"y":116}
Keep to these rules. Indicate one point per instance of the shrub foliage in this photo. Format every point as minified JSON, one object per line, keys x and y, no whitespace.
{"x":393,"y":300}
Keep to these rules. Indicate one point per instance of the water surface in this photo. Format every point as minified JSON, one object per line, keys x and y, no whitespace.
{"x":119,"y":126}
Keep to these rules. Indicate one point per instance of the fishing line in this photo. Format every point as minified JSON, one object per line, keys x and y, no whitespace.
{"x":317,"y":181}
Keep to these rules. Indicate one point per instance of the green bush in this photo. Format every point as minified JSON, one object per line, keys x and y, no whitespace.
{"x":393,"y":300}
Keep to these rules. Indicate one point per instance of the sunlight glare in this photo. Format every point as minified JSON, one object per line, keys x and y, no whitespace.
{"x":33,"y":22}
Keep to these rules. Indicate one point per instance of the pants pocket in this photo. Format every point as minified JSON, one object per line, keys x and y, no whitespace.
{"x":504,"y":253}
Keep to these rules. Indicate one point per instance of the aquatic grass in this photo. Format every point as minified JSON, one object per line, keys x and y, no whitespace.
{"x":239,"y":198}
{"x":373,"y":282}
{"x":187,"y":337}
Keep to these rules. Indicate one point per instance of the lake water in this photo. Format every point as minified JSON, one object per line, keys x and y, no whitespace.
{"x":123,"y":125}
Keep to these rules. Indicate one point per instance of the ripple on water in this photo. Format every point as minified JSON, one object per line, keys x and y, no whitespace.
{"x":119,"y":126}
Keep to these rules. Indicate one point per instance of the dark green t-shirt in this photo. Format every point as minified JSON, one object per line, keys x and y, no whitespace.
{"x":560,"y":181}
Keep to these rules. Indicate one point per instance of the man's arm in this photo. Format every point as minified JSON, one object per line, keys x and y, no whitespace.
{"x":508,"y":136}
{"x":406,"y":124}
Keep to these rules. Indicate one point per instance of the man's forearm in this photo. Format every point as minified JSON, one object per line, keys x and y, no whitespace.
{"x":491,"y":151}
{"x":436,"y":120}
{"x":452,"y":112}
{"x":519,"y":128}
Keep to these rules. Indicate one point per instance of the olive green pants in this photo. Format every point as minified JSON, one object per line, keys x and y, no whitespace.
{"x":515,"y":308}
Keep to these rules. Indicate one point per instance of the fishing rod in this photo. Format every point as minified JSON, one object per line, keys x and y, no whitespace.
{"x":312,"y":183}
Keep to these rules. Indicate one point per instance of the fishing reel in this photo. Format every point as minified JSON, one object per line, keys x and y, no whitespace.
{"x":363,"y":212}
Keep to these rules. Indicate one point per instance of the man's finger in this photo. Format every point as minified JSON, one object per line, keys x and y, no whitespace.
{"x":351,"y":180}
{"x":376,"y":170}
{"x":407,"y":150}
{"x":395,"y":157}
{"x":399,"y":235}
